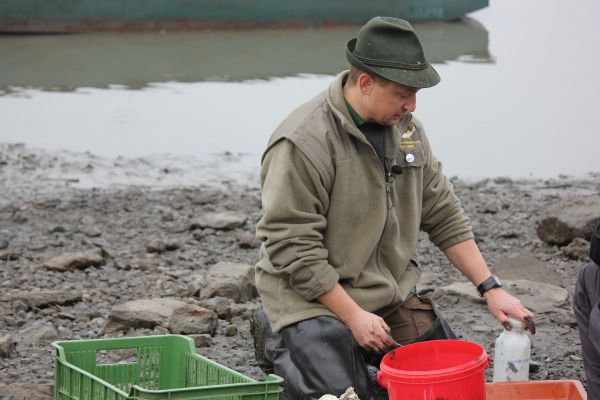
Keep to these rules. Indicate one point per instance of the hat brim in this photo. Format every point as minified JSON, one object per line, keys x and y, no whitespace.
{"x":422,"y":78}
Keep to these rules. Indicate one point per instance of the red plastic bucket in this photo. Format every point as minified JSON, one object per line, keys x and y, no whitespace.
{"x":435,"y":370}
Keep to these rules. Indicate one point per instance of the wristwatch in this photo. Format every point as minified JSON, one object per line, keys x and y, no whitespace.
{"x":489,"y":283}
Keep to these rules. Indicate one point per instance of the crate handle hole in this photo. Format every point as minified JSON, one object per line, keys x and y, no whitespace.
{"x":116,"y":356}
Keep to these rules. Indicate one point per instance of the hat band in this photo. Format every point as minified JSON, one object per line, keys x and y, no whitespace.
{"x":391,"y":64}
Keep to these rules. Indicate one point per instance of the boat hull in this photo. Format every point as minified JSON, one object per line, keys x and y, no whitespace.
{"x":139,"y":15}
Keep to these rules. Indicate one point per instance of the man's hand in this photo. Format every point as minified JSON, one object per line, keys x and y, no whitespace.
{"x":370,"y":331}
{"x":468,"y":259}
{"x":502,"y":304}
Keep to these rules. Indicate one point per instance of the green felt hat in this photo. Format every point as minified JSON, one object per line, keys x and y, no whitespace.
{"x":390,"y":48}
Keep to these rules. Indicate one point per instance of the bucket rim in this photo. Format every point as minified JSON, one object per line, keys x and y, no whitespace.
{"x":480,"y":362}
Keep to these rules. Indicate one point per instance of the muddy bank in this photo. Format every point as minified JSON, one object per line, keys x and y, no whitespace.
{"x":152,"y":245}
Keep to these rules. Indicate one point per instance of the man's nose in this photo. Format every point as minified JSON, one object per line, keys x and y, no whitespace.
{"x":411,"y":103}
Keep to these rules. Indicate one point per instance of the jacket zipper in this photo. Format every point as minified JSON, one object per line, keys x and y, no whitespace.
{"x":383,"y":269}
{"x":389,"y":204}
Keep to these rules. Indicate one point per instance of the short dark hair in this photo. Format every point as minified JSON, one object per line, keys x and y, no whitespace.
{"x":355,"y":73}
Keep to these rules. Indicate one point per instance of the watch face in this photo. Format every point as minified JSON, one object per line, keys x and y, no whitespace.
{"x":492,"y":282}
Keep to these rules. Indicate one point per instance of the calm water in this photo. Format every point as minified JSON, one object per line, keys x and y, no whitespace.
{"x":518,"y":97}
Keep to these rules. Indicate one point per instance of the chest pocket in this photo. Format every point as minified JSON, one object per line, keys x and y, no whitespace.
{"x":410,"y":151}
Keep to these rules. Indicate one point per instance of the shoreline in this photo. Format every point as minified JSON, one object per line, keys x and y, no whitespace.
{"x":26,"y":167}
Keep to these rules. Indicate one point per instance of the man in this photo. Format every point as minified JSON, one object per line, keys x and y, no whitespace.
{"x":347,"y":180}
{"x":586,"y":304}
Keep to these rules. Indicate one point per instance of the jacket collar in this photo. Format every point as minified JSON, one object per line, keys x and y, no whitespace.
{"x":337,"y":103}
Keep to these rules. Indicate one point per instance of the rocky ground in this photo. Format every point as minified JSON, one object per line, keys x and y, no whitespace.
{"x":85,"y":262}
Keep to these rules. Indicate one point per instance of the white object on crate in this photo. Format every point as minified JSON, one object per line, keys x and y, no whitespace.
{"x":512,"y":354}
{"x":349,"y":394}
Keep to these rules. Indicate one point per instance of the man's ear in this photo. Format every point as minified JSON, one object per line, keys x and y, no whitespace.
{"x":365,"y":84}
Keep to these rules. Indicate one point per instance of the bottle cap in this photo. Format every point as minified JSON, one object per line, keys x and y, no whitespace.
{"x":516,"y":323}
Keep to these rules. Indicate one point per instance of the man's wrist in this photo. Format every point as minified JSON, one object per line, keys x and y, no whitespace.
{"x":490,"y":293}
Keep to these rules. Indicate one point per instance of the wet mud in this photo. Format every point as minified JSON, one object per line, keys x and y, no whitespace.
{"x":44,"y":215}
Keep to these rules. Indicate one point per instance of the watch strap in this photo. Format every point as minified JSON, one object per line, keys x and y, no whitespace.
{"x":491,"y":282}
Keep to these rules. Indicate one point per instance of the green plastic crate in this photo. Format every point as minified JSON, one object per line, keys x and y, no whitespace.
{"x":161,"y":367}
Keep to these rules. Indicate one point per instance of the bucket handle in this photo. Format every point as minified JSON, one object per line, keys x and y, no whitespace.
{"x":381,"y":380}
{"x":380,"y":377}
{"x":393,"y":348}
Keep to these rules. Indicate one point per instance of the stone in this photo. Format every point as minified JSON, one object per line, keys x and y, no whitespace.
{"x":162,"y":245}
{"x":226,"y":220}
{"x":144,"y":313}
{"x":428,"y":282}
{"x":107,"y":248}
{"x":482,"y":328}
{"x":198,"y":235}
{"x":247,"y":240}
{"x":193,"y":319}
{"x":20,"y":306}
{"x":539,"y":297}
{"x":227,"y":309}
{"x":490,"y":208}
{"x":43,"y":298}
{"x":3,"y":244}
{"x":578,"y":249}
{"x":90,"y":231}
{"x":205,"y":197}
{"x":159,"y":330}
{"x":568,"y":219}
{"x":232,"y":280}
{"x":66,"y":315}
{"x":11,"y":254}
{"x":238,"y":321}
{"x":168,"y":217}
{"x":89,"y":228}
{"x":526,"y":266}
{"x":221,"y":305}
{"x":557,"y":294}
{"x":446,"y":301}
{"x":464,"y":290}
{"x":57,"y":229}
{"x":503,"y":180}
{"x":33,"y":246}
{"x":39,"y":333}
{"x":534,"y":367}
{"x":231,"y":330}
{"x":98,"y":322}
{"x":202,"y":339}
{"x":7,"y":346}
{"x":76,"y":260}
{"x":174,"y":315}
{"x":19,"y":219}
{"x":509,"y":235}
{"x":64,"y":333}
{"x":567,"y":319}
{"x":27,"y":391}
{"x":172,"y":244}
{"x":349,"y":394}
{"x":243,"y":310}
